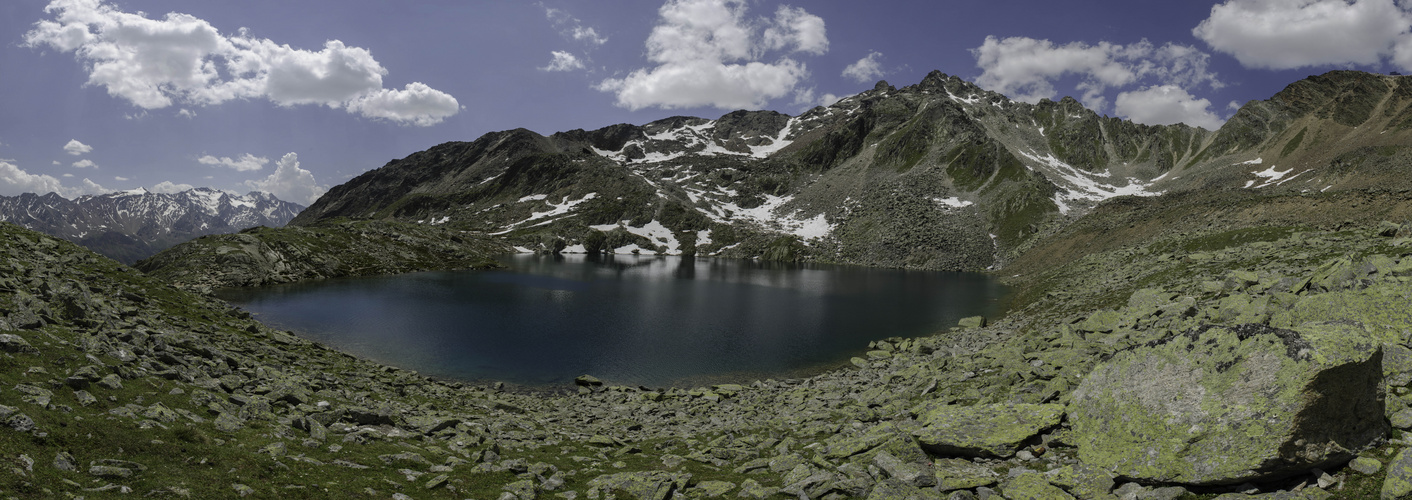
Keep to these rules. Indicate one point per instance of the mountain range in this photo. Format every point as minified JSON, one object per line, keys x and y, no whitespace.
{"x":937,"y":175}
{"x":131,"y":225}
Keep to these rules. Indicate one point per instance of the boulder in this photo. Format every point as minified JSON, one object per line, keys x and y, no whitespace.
{"x":1226,"y":405}
{"x":1082,"y":480}
{"x":990,"y":431}
{"x":959,"y":474}
{"x":1398,"y":483}
{"x":1366,"y":465}
{"x":1032,"y":486}
{"x":653,"y":485}
{"x":16,"y":344}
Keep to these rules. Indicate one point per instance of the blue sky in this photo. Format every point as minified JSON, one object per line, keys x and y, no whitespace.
{"x":295,"y":97}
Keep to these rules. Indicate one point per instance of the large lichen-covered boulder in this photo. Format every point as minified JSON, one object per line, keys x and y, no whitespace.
{"x":1225,"y":405}
{"x":649,"y":485}
{"x":990,"y":431}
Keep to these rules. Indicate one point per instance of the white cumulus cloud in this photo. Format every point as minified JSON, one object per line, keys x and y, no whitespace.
{"x":867,"y":69}
{"x":77,"y":148}
{"x":710,"y":53}
{"x":415,"y":104}
{"x":1026,"y":68}
{"x":1166,"y":105}
{"x":563,"y":61}
{"x":169,"y":187}
{"x":15,"y":181}
{"x":85,"y":164}
{"x":1288,"y":34}
{"x":290,"y":183}
{"x":179,"y":58}
{"x":246,"y":163}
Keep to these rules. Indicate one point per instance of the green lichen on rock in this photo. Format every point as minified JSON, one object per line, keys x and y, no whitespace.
{"x":1385,"y":308}
{"x":1398,"y":483}
{"x":996,"y":430}
{"x":1032,"y":486}
{"x":1223,"y":405}
{"x":960,"y":474}
{"x":1082,"y":480}
{"x":649,"y":485}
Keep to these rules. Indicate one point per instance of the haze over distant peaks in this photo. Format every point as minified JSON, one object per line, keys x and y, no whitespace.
{"x":131,"y":225}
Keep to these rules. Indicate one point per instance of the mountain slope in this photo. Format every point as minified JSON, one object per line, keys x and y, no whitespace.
{"x":937,"y":175}
{"x":132,"y":225}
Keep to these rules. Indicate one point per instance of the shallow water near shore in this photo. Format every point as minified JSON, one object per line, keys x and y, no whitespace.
{"x":629,"y":320}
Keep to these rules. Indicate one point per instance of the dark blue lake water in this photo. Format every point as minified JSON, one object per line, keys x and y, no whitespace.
{"x":629,"y":320}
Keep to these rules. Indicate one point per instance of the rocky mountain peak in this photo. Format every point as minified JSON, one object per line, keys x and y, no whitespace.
{"x":131,"y":225}
{"x":854,"y":181}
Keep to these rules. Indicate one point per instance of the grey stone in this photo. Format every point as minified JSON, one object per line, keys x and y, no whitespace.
{"x":12,"y":343}
{"x":1225,"y":406}
{"x":751,"y":488}
{"x":909,"y":473}
{"x":65,"y":462}
{"x":997,"y":430}
{"x":111,"y":381}
{"x":1366,"y":465}
{"x":1398,"y":482}
{"x":972,"y":322}
{"x":894,"y":489}
{"x":647,"y":485}
{"x":1402,"y":419}
{"x":1082,"y":480}
{"x":1032,"y":486}
{"x":958,"y":474}
{"x":437,"y":482}
{"x":715,"y":489}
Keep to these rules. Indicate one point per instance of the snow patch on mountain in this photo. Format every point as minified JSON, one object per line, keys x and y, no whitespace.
{"x":1272,"y":177}
{"x":1080,"y":186}
{"x":555,"y":210}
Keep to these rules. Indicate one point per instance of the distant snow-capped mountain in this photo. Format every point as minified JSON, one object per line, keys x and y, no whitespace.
{"x":132,"y":225}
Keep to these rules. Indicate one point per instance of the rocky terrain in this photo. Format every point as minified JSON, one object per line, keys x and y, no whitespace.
{"x":1246,"y":334}
{"x":267,"y":256}
{"x":128,"y":226}
{"x":115,"y":382}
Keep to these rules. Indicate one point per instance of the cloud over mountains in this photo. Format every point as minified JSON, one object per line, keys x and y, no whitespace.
{"x":179,"y":58}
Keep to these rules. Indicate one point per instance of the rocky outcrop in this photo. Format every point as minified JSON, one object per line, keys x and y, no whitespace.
{"x":988,"y":431}
{"x":266,"y":256}
{"x":1226,"y":405}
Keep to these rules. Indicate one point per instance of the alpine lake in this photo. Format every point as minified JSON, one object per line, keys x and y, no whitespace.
{"x":629,"y":320}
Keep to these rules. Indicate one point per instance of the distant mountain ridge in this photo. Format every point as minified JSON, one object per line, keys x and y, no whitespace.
{"x":131,"y":225}
{"x":937,"y":175}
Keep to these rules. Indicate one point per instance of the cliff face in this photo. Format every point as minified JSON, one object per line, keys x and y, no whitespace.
{"x":937,"y":175}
